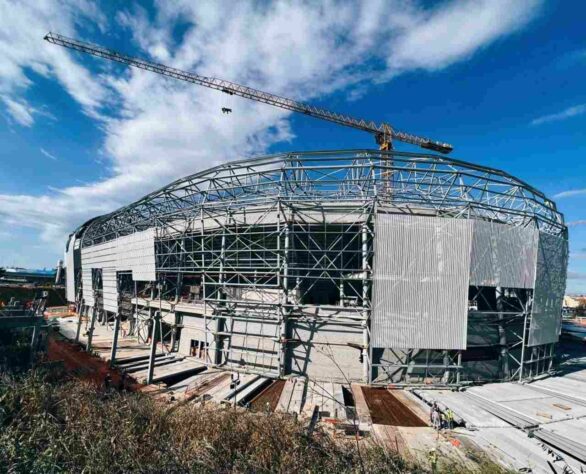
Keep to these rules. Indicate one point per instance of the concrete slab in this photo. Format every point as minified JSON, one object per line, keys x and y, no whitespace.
{"x":569,"y":436}
{"x":511,"y":448}
{"x":419,"y":441}
{"x":564,"y":386}
{"x":540,"y":407}
{"x":296,"y":404}
{"x":227,"y":393}
{"x":246,"y":395}
{"x":185,"y":367}
{"x":472,"y":414}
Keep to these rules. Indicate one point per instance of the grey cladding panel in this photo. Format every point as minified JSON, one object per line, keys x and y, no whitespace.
{"x":550,"y":286}
{"x":503,"y":255}
{"x":70,"y":272}
{"x":86,"y":284}
{"x":421,"y":274}
{"x":110,"y":289}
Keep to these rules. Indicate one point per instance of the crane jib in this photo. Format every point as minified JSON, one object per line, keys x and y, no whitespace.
{"x":384,"y":133}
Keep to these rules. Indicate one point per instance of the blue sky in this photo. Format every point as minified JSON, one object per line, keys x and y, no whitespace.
{"x":503,"y":81}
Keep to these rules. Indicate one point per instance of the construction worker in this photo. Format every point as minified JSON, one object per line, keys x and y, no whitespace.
{"x":449,"y":419}
{"x":433,"y":460}
{"x":435,"y":419}
{"x":431,"y":411}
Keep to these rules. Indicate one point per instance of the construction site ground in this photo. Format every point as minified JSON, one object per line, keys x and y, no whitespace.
{"x":536,"y":426}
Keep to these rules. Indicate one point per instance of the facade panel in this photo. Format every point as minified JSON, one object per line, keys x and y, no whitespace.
{"x":86,"y":284}
{"x":136,"y":252}
{"x":110,"y":289}
{"x":503,"y":255}
{"x":550,"y":286}
{"x":420,"y":284}
{"x":70,"y":272}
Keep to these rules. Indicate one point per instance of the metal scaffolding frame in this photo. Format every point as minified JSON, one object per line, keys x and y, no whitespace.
{"x":277,"y":241}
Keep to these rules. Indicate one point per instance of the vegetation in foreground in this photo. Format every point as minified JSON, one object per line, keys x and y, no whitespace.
{"x":48,"y":424}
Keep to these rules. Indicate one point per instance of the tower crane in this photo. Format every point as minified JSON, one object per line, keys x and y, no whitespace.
{"x":384,"y":133}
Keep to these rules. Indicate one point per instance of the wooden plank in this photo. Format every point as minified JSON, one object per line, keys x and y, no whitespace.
{"x":386,"y":409}
{"x":286,"y":396}
{"x":413,"y":403}
{"x":362,"y":411}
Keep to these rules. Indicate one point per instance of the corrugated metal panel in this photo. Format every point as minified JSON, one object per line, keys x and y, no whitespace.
{"x":503,"y":255}
{"x":70,"y":272}
{"x":420,"y":288}
{"x":110,"y":290}
{"x":550,"y":286}
{"x":136,"y":252}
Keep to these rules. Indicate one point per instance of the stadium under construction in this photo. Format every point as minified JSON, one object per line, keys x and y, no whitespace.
{"x":360,"y":265}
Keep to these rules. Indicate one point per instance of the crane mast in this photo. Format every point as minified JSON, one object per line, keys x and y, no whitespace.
{"x":383,"y":133}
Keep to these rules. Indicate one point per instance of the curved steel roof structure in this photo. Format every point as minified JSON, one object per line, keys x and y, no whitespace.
{"x":411,"y":182}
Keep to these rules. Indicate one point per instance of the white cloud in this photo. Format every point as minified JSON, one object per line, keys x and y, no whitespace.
{"x":576,"y":223}
{"x":449,"y":33}
{"x":22,"y":51}
{"x":162,"y":129}
{"x":19,"y":111}
{"x":570,"y":193}
{"x":564,"y":114}
{"x":48,"y":155}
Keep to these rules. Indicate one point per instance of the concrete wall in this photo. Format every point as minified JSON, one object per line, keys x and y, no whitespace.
{"x":323,"y":351}
{"x":253,"y":344}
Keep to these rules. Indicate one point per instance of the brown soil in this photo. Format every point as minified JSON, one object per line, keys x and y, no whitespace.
{"x":386,"y":409}
{"x":82,"y":365}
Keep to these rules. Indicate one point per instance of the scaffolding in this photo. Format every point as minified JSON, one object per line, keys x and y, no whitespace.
{"x":275,"y":256}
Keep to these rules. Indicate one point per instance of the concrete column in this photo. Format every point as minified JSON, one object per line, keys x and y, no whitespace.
{"x":153,"y":353}
{"x":115,"y":340}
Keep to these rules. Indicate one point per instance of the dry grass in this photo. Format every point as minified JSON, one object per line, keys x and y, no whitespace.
{"x":50,"y":425}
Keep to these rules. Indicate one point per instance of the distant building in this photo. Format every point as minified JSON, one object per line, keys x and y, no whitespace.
{"x":26,"y":275}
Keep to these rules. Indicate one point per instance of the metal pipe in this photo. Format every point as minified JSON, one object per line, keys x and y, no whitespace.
{"x":91,"y":329}
{"x":365,"y":306}
{"x":153,"y":351}
{"x":115,"y":339}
